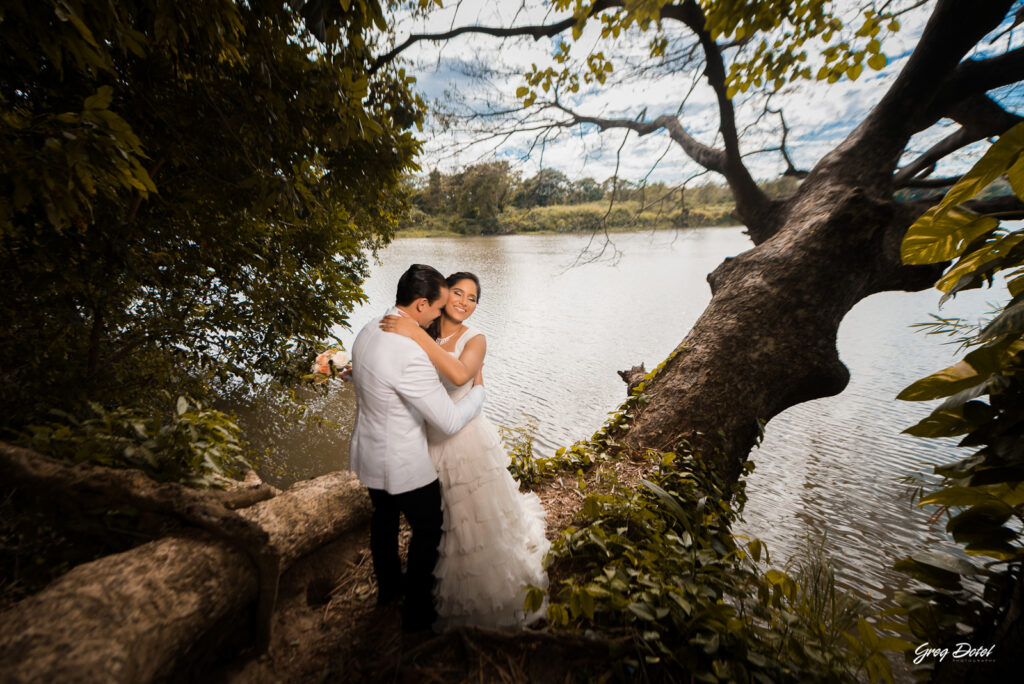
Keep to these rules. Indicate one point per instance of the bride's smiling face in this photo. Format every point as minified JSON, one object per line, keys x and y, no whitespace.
{"x":461,"y":300}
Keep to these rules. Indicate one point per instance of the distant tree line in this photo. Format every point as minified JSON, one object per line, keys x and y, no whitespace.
{"x":473,"y":199}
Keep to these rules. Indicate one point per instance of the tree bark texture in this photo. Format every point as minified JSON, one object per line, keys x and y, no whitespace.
{"x":767,"y":340}
{"x":138,"y":615}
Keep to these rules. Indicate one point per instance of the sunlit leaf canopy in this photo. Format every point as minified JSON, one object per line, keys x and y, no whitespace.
{"x":773,"y":37}
{"x":188,"y":191}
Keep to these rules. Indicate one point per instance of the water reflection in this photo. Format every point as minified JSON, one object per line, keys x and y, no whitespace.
{"x":556,"y":336}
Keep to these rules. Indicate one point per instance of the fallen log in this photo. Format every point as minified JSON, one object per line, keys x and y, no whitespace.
{"x":135,"y":616}
{"x":211,"y":510}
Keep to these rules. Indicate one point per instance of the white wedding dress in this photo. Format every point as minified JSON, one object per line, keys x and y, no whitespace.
{"x":493,"y":544}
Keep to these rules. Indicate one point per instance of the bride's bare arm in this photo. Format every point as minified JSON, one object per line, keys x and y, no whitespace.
{"x":459,"y":370}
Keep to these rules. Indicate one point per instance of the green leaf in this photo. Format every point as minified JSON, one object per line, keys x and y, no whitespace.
{"x":942,"y":384}
{"x":1001,"y":552}
{"x":877,"y":62}
{"x":1015,"y":175}
{"x":956,"y":496}
{"x":983,"y":257}
{"x":522,"y":91}
{"x":867,"y":633}
{"x":101,"y":100}
{"x":1015,"y":282}
{"x":936,"y":237}
{"x":985,"y":518}
{"x":1009,"y":320}
{"x":534,"y":600}
{"x":642,"y":611}
{"x":755,"y":548}
{"x":941,"y":423}
{"x":182,"y":406}
{"x":587,"y":604}
{"x":895,"y":644}
{"x":928,"y":574}
{"x":975,"y":368}
{"x":670,"y":502}
{"x":997,"y":160}
{"x":945,"y":562}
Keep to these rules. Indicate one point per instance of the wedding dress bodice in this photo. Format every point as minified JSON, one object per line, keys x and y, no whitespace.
{"x":456,"y":392}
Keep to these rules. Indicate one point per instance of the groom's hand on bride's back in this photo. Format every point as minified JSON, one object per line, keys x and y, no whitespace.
{"x":479,"y":379}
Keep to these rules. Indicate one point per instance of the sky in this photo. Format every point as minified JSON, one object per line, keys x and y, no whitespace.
{"x":479,"y":74}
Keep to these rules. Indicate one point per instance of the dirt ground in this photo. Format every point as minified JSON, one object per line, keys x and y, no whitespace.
{"x":341,"y":635}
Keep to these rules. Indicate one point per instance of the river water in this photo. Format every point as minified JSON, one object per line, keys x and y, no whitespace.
{"x":557,"y":331}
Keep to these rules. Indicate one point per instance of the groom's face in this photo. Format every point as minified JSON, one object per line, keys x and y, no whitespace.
{"x":427,"y":311}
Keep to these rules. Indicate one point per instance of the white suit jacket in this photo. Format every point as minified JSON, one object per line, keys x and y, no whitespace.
{"x":397,"y":388}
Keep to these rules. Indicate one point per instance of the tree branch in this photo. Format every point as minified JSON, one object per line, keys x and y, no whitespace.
{"x":751,"y":203}
{"x":981,"y":75}
{"x":914,"y":172}
{"x":706,"y":156}
{"x":922,"y":182}
{"x":791,"y":169}
{"x":1005,"y":204}
{"x":537,"y":31}
{"x":869,"y":155}
{"x":980,"y":117}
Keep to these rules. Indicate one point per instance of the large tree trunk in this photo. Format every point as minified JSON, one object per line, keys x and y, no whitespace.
{"x":767,"y":340}
{"x":138,"y":615}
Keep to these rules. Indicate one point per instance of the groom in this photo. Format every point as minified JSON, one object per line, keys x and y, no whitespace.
{"x":397,"y":389}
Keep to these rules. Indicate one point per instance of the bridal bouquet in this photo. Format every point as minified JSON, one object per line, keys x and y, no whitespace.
{"x":329,"y":364}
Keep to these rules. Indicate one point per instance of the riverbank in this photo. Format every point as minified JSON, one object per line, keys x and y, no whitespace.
{"x":340,"y":634}
{"x":625,"y":216}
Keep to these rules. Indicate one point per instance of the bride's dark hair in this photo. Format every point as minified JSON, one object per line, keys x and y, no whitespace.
{"x":435,"y":328}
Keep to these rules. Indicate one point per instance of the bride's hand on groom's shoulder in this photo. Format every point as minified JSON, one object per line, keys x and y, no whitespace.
{"x":406,"y":327}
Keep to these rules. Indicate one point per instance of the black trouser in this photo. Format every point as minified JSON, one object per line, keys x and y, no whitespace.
{"x":422,"y":509}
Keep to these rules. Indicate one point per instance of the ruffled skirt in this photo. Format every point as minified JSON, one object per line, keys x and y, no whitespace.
{"x":493,"y":544}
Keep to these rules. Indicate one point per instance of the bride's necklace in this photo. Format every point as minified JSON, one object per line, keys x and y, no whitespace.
{"x":444,"y":340}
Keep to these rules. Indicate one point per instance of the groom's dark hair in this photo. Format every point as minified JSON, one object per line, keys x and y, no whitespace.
{"x":419,"y":281}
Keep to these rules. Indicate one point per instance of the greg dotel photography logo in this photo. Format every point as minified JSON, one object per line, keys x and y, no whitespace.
{"x":962,"y":652}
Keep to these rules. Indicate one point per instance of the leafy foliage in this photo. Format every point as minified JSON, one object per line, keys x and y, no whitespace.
{"x":658,"y":565}
{"x":771,"y":38}
{"x":982,"y":495}
{"x":187,"y":443}
{"x":524,"y":465}
{"x":186,"y":197}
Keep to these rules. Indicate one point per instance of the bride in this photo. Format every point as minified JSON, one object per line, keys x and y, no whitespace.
{"x":493,"y":543}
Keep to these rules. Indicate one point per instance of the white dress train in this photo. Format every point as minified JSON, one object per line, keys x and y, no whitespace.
{"x":493,"y":544}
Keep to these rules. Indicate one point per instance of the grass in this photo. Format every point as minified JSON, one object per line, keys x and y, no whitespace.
{"x":625,"y":216}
